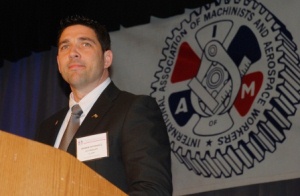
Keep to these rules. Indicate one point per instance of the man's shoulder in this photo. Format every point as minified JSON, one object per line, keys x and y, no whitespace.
{"x":57,"y":115}
{"x":113,"y":89}
{"x":136,"y":97}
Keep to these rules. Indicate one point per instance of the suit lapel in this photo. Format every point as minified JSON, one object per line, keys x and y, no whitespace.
{"x":49,"y":136}
{"x":95,"y":115}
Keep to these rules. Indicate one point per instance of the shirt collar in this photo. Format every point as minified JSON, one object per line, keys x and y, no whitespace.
{"x":88,"y":100}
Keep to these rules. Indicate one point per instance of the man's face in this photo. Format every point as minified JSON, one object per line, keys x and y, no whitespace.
{"x":80,"y":58}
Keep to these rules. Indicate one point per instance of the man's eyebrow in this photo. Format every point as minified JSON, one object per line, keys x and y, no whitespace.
{"x":87,"y":39}
{"x":80,"y":38}
{"x":63,"y":42}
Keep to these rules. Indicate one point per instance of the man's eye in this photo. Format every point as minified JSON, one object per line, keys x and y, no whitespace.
{"x":63,"y":47}
{"x":86,"y":44}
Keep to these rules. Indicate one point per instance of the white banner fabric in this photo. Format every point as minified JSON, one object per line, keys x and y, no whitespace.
{"x":226,"y":78}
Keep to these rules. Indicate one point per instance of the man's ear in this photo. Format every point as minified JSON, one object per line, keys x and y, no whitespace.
{"x":108,"y":58}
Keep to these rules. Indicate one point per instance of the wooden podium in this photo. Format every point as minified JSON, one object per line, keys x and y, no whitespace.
{"x":31,"y":168}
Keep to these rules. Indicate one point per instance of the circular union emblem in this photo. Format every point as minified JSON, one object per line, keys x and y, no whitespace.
{"x":226,"y":85}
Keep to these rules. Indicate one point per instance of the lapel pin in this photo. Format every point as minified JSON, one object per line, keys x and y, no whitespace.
{"x":56,"y":122}
{"x":95,"y":116}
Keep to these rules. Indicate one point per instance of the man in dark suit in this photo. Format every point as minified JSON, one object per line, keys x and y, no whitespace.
{"x":138,"y":159}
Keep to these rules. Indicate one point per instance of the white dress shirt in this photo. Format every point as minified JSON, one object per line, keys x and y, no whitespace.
{"x":85,"y":103}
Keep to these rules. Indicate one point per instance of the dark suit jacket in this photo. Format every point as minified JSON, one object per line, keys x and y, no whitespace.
{"x":139,"y":160}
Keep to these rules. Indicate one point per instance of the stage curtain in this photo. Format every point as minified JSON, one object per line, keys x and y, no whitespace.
{"x":31,"y":90}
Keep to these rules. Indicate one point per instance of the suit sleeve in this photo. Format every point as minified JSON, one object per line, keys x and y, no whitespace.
{"x":146,"y":149}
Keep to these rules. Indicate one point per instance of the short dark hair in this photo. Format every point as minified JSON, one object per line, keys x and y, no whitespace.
{"x":100,"y":30}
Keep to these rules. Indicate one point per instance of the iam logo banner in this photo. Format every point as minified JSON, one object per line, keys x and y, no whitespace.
{"x":227,"y":84}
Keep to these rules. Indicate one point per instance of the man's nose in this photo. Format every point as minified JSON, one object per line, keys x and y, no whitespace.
{"x":74,"y":53}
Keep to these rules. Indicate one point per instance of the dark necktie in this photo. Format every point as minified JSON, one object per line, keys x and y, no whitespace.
{"x":72,"y":127}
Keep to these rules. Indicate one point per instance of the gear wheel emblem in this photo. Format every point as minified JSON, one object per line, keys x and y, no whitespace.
{"x":226,"y":85}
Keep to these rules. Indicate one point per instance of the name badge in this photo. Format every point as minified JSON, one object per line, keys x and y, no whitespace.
{"x":92,"y":147}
